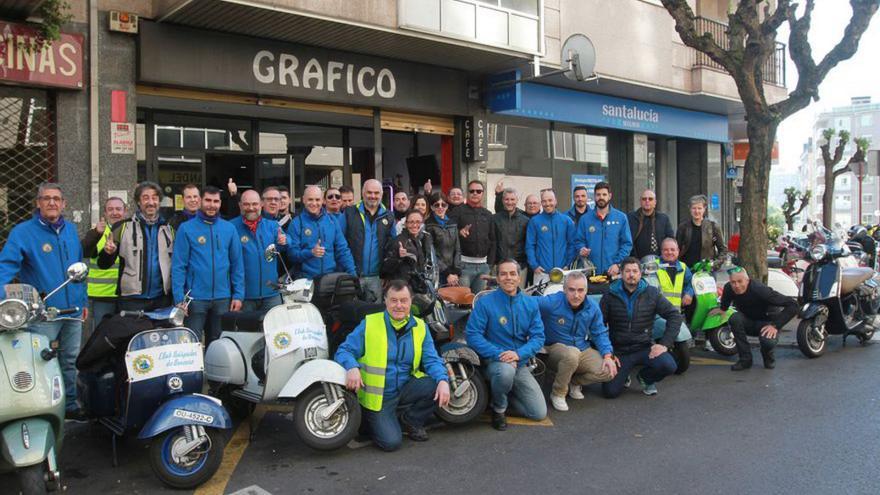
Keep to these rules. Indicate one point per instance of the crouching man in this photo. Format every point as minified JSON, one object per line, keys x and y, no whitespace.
{"x":394,"y":368}
{"x":571,"y":323}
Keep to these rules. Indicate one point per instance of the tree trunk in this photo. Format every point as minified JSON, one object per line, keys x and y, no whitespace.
{"x":828,"y":197}
{"x":789,"y":223}
{"x":756,"y":179}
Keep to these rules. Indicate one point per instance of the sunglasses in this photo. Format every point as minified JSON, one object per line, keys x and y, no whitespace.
{"x":735,"y":269}
{"x":440,"y":204}
{"x":334,"y":196}
{"x":475,"y":191}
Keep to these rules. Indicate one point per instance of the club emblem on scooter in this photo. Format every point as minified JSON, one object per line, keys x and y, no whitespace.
{"x":282,"y":340}
{"x":142,"y":364}
{"x":47,"y":248}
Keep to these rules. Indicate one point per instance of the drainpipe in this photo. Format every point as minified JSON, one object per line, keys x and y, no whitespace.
{"x":94,"y":151}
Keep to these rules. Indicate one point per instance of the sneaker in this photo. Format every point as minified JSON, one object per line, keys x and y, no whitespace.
{"x":76,"y":416}
{"x":647,"y":388}
{"x":558,"y":402}
{"x":499,"y":421}
{"x":628,"y":382}
{"x":415,"y":433}
{"x":574,"y":391}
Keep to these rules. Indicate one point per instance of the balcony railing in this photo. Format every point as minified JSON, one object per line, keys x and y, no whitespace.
{"x":774,"y":66}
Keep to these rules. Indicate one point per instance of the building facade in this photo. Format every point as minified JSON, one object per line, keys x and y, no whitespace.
{"x":331,"y":92}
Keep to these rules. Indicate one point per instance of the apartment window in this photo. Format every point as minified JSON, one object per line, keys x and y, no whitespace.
{"x":867,"y":198}
{"x":867,"y":218}
{"x":867,"y":120}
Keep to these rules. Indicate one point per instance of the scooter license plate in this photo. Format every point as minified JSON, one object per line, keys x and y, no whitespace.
{"x":193,"y":416}
{"x":310,"y":352}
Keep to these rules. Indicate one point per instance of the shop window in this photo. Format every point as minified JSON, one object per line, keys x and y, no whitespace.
{"x":563,"y":148}
{"x":526,"y":152}
{"x":168,"y":137}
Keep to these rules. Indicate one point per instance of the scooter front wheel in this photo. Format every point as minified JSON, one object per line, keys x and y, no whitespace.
{"x":186,"y":471}
{"x":32,"y":480}
{"x":722,"y":341}
{"x":812,"y":341}
{"x":326,"y":433}
{"x":468,"y":399}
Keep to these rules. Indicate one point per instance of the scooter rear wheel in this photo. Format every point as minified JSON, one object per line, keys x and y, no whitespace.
{"x":722,"y":341}
{"x":331,"y":433}
{"x":194,"y":469}
{"x":32,"y":479}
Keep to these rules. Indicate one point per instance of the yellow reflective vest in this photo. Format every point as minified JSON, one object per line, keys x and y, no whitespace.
{"x":375,"y":359}
{"x":102,"y":282}
{"x":670,"y":289}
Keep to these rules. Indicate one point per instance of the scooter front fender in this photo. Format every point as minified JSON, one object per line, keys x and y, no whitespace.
{"x":716,"y":321}
{"x":455,"y":352}
{"x":314,"y":371}
{"x":684,"y":333}
{"x":813,"y":309}
{"x":192,"y":409}
{"x":40,"y":442}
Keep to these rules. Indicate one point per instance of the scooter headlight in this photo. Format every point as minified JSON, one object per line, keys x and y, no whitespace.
{"x":13,"y":314}
{"x":818,"y":252}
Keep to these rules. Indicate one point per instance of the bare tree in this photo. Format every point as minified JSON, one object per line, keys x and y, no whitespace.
{"x":752,"y":29}
{"x":790,"y":208}
{"x":830,"y":161}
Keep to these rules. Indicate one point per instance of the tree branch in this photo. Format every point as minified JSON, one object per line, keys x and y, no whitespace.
{"x":685,"y":25}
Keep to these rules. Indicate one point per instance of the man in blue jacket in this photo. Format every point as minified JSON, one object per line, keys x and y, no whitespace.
{"x":603,"y":234}
{"x":317,"y":245}
{"x":207,"y":263}
{"x":572,"y":323}
{"x":549,"y":239}
{"x":580,"y":206}
{"x":368,"y":227}
{"x":38,"y":252}
{"x":505,"y":329}
{"x":394,"y":368}
{"x":255,"y":234}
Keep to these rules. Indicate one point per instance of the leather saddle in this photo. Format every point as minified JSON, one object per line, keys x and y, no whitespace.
{"x":460,"y":296}
{"x":850,"y":278}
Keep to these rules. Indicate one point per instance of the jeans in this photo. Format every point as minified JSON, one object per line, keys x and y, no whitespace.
{"x":372,"y":288}
{"x":575,"y":367}
{"x":204,"y":318}
{"x":414,"y":404}
{"x":264,"y":304}
{"x":519,"y":387}
{"x":97,"y":310}
{"x":742,"y":327}
{"x":68,"y":333}
{"x":137,"y":304}
{"x":470,"y":276}
{"x":654,"y":370}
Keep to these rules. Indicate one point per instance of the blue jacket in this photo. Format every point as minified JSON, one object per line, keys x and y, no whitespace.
{"x":39,"y":256}
{"x":207,"y":261}
{"x":501,"y":323}
{"x":688,"y":276}
{"x":550,"y":241}
{"x":398,"y":370}
{"x":609,"y":240}
{"x":258,"y":273}
{"x":305,"y":231}
{"x":563,"y":326}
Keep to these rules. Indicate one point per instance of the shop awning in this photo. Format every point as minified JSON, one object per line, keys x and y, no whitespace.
{"x":284,"y":24}
{"x":544,"y":102}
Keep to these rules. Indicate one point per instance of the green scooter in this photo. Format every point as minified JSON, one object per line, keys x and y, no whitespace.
{"x":715,"y":327}
{"x":31,"y":387}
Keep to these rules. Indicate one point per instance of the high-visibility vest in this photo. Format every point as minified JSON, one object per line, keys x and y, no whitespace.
{"x":375,"y":359}
{"x":672,"y":290}
{"x":102,"y":282}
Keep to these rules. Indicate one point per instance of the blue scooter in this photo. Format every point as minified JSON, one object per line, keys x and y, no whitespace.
{"x":154,"y":389}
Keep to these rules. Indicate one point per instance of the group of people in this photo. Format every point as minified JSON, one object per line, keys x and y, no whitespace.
{"x":210,"y":265}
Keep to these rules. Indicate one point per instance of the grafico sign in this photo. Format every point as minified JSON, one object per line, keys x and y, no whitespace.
{"x":56,"y":64}
{"x":475,"y":146}
{"x":193,"y":58}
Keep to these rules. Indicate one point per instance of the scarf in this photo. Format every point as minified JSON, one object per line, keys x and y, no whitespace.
{"x":56,"y":225}
{"x":442,"y":221}
{"x":251,"y":224}
{"x":144,"y":220}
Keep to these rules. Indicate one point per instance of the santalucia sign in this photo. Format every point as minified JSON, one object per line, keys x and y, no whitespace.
{"x":198,"y":59}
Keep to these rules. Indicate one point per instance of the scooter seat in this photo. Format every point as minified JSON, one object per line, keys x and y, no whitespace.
{"x":774,"y":262}
{"x":850,"y":278}
{"x":460,"y":296}
{"x":242,"y":321}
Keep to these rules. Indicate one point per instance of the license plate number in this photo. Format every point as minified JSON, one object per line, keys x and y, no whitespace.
{"x":193,"y":416}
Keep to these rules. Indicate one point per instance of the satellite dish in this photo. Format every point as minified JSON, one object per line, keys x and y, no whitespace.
{"x":579,"y":54}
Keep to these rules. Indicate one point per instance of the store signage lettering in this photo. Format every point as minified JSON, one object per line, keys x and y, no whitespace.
{"x":630,"y":113}
{"x":285,"y":69}
{"x":475,"y":147}
{"x":58,"y":64}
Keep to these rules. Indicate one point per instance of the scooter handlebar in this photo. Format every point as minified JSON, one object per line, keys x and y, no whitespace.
{"x":68,"y":311}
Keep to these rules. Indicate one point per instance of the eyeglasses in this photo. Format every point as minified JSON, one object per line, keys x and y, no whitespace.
{"x":334,"y":196}
{"x":735,"y":269}
{"x":47,"y":199}
{"x":440,"y":204}
{"x":475,"y":191}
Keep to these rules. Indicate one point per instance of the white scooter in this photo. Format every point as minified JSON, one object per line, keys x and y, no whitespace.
{"x":285,"y":358}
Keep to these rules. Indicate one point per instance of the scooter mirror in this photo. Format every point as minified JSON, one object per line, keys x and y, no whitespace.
{"x":78,"y":271}
{"x":270,"y":252}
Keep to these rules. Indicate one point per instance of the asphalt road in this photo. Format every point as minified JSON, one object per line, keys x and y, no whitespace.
{"x":807,"y":427}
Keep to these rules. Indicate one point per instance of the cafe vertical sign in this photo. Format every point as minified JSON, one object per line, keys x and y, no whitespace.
{"x":24,"y":61}
{"x":475,"y":144}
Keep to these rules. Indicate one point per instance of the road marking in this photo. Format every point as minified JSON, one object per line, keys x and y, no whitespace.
{"x":252,"y":490}
{"x":515,"y":420}
{"x":232,"y":454}
{"x":709,"y":362}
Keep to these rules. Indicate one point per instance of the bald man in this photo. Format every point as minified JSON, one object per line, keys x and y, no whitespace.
{"x":256,"y":232}
{"x":753,"y":301}
{"x":317,"y":246}
{"x":368,"y":227}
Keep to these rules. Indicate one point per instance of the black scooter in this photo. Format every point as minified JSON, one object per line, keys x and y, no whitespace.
{"x":837,"y":299}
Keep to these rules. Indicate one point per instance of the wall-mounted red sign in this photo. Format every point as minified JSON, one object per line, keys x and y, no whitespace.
{"x":59,"y":64}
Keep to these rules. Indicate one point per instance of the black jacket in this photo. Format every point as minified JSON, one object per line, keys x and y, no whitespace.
{"x":446,"y":246}
{"x":510,"y":235}
{"x":353,"y":229}
{"x":408,"y":268}
{"x":631,"y":329}
{"x":481,"y":241}
{"x":639,"y":225}
{"x":755,"y":302}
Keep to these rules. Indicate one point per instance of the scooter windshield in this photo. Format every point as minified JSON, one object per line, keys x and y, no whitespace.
{"x":163,"y":351}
